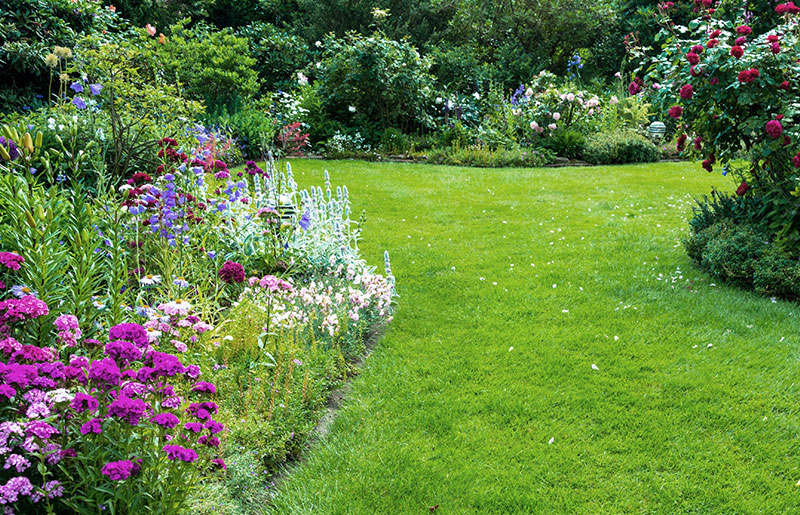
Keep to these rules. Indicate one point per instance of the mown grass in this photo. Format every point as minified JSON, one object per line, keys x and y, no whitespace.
{"x":482,"y":397}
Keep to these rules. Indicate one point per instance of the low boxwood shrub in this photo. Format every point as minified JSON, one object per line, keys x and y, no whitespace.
{"x":776,"y":273}
{"x":733,"y":251}
{"x":620,"y":148}
{"x":484,"y":157}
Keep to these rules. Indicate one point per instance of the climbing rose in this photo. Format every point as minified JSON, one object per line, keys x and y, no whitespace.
{"x":686,"y":92}
{"x":692,"y":58}
{"x":712,"y":43}
{"x":750,"y":75}
{"x":774,"y":129}
{"x":675,"y":112}
{"x":787,"y":8}
{"x":744,"y":30}
{"x":737,"y":51}
{"x":796,"y":161}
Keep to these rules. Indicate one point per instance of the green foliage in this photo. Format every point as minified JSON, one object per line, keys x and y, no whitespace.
{"x":254,"y":127}
{"x":374,"y":79}
{"x":486,"y":158}
{"x":278,"y":55}
{"x":620,"y":147}
{"x":209,"y":65}
{"x":394,"y":141}
{"x":733,"y":251}
{"x":29,"y":29}
{"x":777,"y":274}
{"x":138,"y":107}
{"x":566,"y":143}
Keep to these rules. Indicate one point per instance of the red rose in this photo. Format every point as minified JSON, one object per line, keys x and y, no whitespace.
{"x":750,"y":75}
{"x":675,"y":112}
{"x":737,"y":51}
{"x":744,"y":30}
{"x":741,"y":40}
{"x":796,"y":161}
{"x":686,"y":91}
{"x":772,"y":38}
{"x":695,"y":71}
{"x":784,"y":85}
{"x":774,"y":129}
{"x":742,"y":189}
{"x":681,"y":142}
{"x":698,"y":49}
{"x":698,"y":143}
{"x":776,"y":48}
{"x":712,"y":43}
{"x":716,"y":33}
{"x":708,"y":165}
{"x":692,"y":58}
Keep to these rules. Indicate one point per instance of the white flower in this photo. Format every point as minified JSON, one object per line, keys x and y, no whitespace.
{"x":125,"y":187}
{"x":153,"y":334}
{"x":613,"y":100}
{"x":302,"y":79}
{"x":150,"y":280}
{"x":178,"y":307}
{"x":352,"y":109}
{"x":534,"y":125}
{"x":529,"y":92}
{"x":570,"y":97}
{"x":318,"y":44}
{"x":552,"y":126}
{"x":438,"y":100}
{"x":556,"y":116}
{"x":476,"y":95}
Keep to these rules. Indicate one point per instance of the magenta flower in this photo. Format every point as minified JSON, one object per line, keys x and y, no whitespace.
{"x":686,"y":91}
{"x":232,"y":272}
{"x":120,"y":470}
{"x":176,"y":452}
{"x":774,"y":129}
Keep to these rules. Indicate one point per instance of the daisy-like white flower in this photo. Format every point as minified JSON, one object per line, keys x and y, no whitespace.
{"x":180,"y":282}
{"x":97,"y":304}
{"x":153,"y":335}
{"x":178,"y":307}
{"x":20,"y":291}
{"x":150,"y":280}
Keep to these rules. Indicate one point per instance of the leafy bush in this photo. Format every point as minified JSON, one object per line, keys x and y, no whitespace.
{"x":393,"y":141}
{"x":566,"y":143}
{"x":620,"y":148}
{"x":484,"y":157}
{"x":374,"y":79}
{"x":278,"y":55}
{"x":733,"y":253}
{"x":733,"y":87}
{"x":209,"y":65}
{"x":29,"y":29}
{"x":254,"y":127}
{"x":778,"y":274}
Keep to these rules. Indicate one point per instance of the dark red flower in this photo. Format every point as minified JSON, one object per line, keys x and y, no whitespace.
{"x":675,"y":112}
{"x":776,"y":48}
{"x":737,"y":51}
{"x":692,"y":58}
{"x":784,"y":85}
{"x":750,"y":75}
{"x":712,"y":43}
{"x":715,"y":33}
{"x":774,"y":129}
{"x":744,"y":30}
{"x":742,"y":189}
{"x":681,"y":142}
{"x":686,"y":91}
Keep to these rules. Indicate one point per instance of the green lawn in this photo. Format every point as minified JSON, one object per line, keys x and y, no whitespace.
{"x":482,"y":397}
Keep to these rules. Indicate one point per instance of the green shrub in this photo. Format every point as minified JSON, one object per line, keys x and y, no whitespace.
{"x":777,"y":273}
{"x":566,"y":143}
{"x":732,"y":253}
{"x":254,"y":127}
{"x":620,"y":148}
{"x":394,"y":142}
{"x":724,"y":206}
{"x":278,"y":55}
{"x":212,"y":66}
{"x":375,"y":79}
{"x":487,"y":158}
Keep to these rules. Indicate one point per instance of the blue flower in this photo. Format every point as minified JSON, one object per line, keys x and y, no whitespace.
{"x":95,"y":88}
{"x":305,"y":221}
{"x":77,"y":87}
{"x":79,"y":103}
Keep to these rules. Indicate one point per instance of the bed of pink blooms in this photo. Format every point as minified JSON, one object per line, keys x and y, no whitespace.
{"x":84,"y":417}
{"x":327,"y":305}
